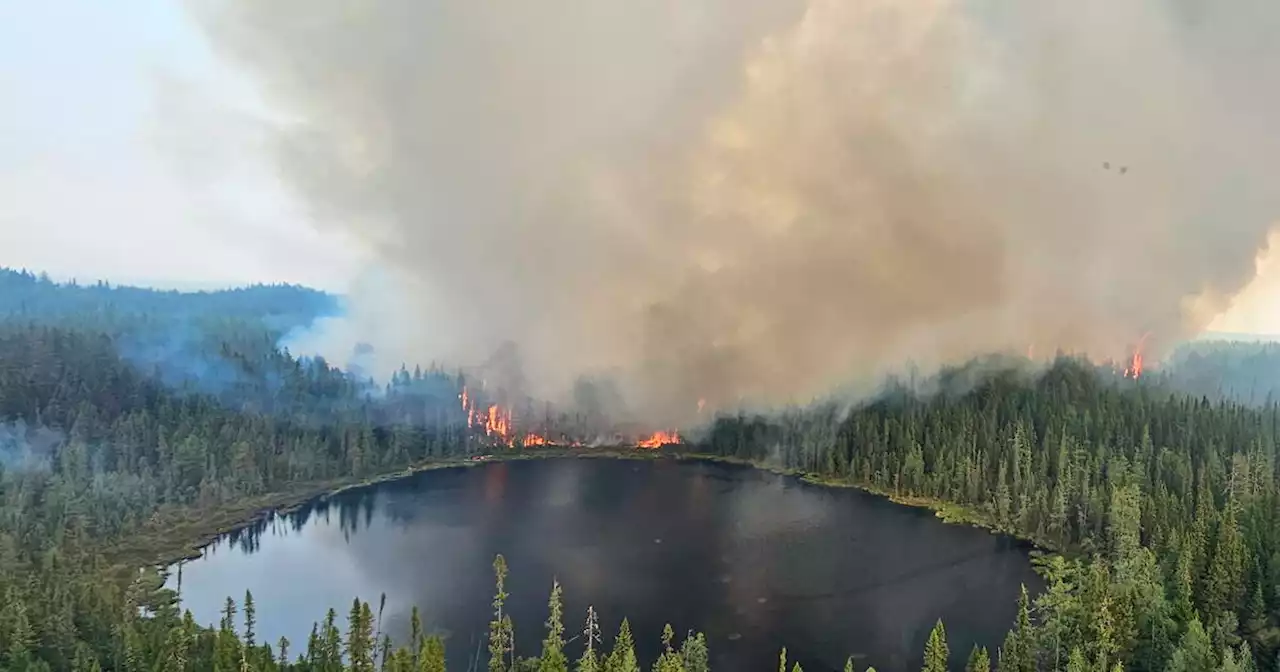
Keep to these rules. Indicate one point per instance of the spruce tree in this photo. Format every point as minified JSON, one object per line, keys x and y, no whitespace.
{"x":979,"y":660}
{"x":250,"y":620}
{"x":668,"y":660}
{"x":415,"y":635}
{"x":553,"y":659}
{"x":360,"y":643}
{"x":590,"y":659}
{"x":1194,"y":652}
{"x":500,"y":642}
{"x":1076,"y":661}
{"x":935,"y":650}
{"x":623,"y":656}
{"x":695,"y":654}
{"x":431,"y":656}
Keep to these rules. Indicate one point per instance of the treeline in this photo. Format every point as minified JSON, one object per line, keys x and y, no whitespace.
{"x":1167,"y":504}
{"x":1240,"y":371}
{"x":210,"y":341}
{"x":27,"y":297}
{"x":166,"y":641}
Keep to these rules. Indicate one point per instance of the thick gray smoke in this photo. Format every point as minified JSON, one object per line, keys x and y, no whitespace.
{"x":759,"y":199}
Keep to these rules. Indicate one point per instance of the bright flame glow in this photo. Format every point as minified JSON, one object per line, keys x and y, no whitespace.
{"x":660,"y":439}
{"x":1134,"y":369}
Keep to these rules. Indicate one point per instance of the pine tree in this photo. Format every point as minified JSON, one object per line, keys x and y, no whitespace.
{"x":1245,"y":658}
{"x":553,"y":659}
{"x":250,"y":620}
{"x":360,"y":642}
{"x":1194,"y":651}
{"x":15,"y":628}
{"x":1183,"y":590}
{"x":1222,"y":585}
{"x":695,"y":654}
{"x":1076,"y":661}
{"x":623,"y":656}
{"x":935,"y":650}
{"x":1019,"y":651}
{"x":668,"y":660}
{"x":415,"y":635}
{"x":500,"y":641}
{"x":590,"y":660}
{"x":979,"y":660}
{"x":431,"y":655}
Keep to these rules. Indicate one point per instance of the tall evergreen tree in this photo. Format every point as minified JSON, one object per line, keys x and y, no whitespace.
{"x":590,"y":660}
{"x":979,"y":660}
{"x":501,"y":643}
{"x":695,"y":654}
{"x":553,"y":658}
{"x":936,"y":651}
{"x":669,"y":660}
{"x":623,"y":656}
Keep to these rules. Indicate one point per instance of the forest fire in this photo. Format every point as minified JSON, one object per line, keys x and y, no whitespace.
{"x":498,"y":422}
{"x":1134,"y":369}
{"x":659,"y":439}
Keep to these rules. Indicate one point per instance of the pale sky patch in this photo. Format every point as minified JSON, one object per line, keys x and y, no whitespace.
{"x":127,"y":153}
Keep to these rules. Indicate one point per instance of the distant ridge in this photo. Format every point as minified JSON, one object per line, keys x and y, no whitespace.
{"x":1237,"y":336}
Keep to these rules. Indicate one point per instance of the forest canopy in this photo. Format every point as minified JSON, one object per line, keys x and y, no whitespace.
{"x":1161,"y":495}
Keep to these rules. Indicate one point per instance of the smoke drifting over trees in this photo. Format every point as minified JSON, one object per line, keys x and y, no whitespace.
{"x":758,"y":199}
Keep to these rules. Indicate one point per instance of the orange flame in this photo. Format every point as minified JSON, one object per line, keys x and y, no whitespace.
{"x":498,"y":422}
{"x":660,"y":439}
{"x":1134,"y":370}
{"x":536,"y":440}
{"x":702,"y":403}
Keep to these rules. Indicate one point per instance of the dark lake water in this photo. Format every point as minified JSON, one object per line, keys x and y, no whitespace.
{"x":752,"y":559}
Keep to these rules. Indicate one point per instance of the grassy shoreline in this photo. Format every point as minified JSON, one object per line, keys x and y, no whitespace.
{"x":175,"y":535}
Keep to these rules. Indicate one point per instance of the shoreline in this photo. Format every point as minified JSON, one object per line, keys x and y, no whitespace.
{"x":175,"y":537}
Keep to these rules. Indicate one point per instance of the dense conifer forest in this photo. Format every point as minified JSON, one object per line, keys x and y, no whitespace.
{"x":129,"y":416}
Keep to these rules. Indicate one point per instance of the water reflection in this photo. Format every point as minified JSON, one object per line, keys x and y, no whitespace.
{"x":755,"y":560}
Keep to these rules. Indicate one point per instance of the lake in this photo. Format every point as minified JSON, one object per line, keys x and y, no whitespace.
{"x":753,"y":559}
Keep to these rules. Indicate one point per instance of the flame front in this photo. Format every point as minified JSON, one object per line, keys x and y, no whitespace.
{"x":660,"y":439}
{"x":498,"y":423}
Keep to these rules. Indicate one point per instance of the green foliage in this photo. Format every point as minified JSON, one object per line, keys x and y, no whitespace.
{"x":1194,"y":651}
{"x":623,"y":656}
{"x":694,"y":653}
{"x":979,"y":660}
{"x":431,"y":655}
{"x":591,"y":658}
{"x":123,"y":412}
{"x":501,"y":631}
{"x":936,"y":651}
{"x":553,"y":658}
{"x":669,"y":660}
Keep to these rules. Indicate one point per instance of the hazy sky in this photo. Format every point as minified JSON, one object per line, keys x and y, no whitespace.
{"x":128,"y":152}
{"x":93,"y":183}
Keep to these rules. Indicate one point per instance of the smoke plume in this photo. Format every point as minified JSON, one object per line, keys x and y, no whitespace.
{"x":759,"y":199}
